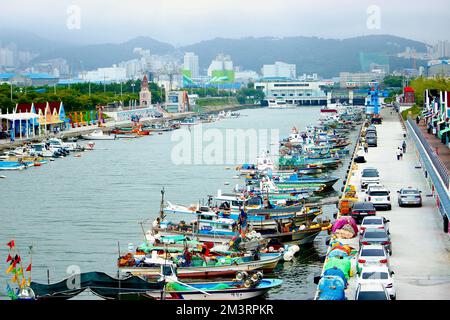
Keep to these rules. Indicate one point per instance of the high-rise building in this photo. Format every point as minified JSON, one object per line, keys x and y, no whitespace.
{"x":221,"y":69}
{"x":442,"y":49}
{"x":279,"y":70}
{"x":191,"y":64}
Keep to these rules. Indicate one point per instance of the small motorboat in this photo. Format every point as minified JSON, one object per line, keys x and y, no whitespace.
{"x":98,"y":135}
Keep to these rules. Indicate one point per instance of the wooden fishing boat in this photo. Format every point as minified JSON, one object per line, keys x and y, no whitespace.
{"x":207,"y":267}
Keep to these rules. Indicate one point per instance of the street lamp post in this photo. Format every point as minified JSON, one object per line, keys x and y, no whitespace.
{"x":11,"y":91}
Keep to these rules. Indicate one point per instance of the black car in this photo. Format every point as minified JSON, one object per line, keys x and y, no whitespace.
{"x":4,"y":135}
{"x":361,"y":210}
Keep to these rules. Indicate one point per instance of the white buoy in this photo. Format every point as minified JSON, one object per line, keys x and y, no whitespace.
{"x":288,"y":256}
{"x":294,"y":248}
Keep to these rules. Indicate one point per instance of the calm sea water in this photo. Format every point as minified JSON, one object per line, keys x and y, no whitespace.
{"x":75,"y":211}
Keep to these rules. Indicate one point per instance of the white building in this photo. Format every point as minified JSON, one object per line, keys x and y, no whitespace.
{"x":191,"y":64}
{"x":220,"y":63}
{"x":112,"y":74}
{"x":279,"y":70}
{"x":442,"y":49}
{"x":294,"y":92}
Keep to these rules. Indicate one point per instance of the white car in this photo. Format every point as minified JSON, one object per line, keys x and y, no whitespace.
{"x":372,"y":254}
{"x":378,"y":274}
{"x":368,"y":176}
{"x":374,"y":222}
{"x":379,"y":196}
{"x":371,"y":291}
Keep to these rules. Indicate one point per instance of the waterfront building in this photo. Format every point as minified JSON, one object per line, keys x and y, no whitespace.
{"x":358,"y":79}
{"x":438,"y":68}
{"x":295,"y":92}
{"x":176,"y":101}
{"x":246,"y":76}
{"x":279,"y":70}
{"x":40,"y":79}
{"x":190,"y":64}
{"x":145,"y":96}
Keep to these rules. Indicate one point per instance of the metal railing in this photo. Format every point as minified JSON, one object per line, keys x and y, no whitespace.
{"x":437,"y":162}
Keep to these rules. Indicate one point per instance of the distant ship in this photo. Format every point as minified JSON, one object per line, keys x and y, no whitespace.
{"x":280,"y":104}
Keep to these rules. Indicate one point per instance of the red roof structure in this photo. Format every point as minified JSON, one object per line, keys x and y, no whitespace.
{"x":24,"y":107}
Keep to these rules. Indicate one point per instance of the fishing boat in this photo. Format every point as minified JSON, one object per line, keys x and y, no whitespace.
{"x":244,"y":286}
{"x":295,"y":179}
{"x":98,"y":135}
{"x":203,"y":266}
{"x":8,"y":165}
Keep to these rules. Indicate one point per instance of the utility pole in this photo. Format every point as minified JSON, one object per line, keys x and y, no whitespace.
{"x":11,"y":91}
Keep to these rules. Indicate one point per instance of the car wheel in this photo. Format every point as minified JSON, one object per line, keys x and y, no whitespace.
{"x":394,"y":298}
{"x":389,"y":207}
{"x":390,"y":253}
{"x":420,"y":205}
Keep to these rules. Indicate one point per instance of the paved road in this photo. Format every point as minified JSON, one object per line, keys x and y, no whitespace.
{"x":421,"y":250}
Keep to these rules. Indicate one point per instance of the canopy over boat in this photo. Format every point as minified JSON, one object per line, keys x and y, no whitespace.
{"x":99,"y":283}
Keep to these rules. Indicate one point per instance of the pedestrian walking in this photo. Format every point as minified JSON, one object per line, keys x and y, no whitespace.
{"x":418,"y":119}
{"x":401,"y":153}
{"x":404,"y":146}
{"x":398,"y":153}
{"x":366,"y":147}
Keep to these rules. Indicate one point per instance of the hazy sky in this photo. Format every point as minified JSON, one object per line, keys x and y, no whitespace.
{"x":186,"y":21}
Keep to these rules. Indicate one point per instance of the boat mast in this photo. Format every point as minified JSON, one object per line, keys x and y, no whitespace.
{"x":161,"y":207}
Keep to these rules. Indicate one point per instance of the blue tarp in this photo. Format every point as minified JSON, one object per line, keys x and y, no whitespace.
{"x":337,"y":273}
{"x":331,"y":288}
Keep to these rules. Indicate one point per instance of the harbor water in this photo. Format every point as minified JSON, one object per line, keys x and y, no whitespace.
{"x":80,"y":211}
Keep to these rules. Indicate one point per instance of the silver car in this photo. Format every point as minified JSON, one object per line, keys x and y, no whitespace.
{"x":409,"y":197}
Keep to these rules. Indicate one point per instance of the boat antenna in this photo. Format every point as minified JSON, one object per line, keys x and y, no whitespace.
{"x":161,"y":207}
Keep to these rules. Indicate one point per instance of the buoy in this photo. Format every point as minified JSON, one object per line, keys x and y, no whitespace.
{"x":226,"y":183}
{"x":294,"y":248}
{"x":2,"y":177}
{"x":288,"y":256}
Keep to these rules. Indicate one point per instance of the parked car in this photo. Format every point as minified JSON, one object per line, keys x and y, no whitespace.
{"x":4,"y":135}
{"x":371,"y":129}
{"x":409,"y":196}
{"x":377,"y":222}
{"x":360,"y":210}
{"x":378,"y":237}
{"x":371,"y":139}
{"x":378,"y":274}
{"x":371,"y":291}
{"x":379,"y":196}
{"x":369,"y":175}
{"x":371,"y":254}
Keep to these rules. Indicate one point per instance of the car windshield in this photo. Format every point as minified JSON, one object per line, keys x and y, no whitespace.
{"x":372,"y":222}
{"x":413,"y":192}
{"x":372,"y":253}
{"x":370,"y":173}
{"x":372,"y":295}
{"x":375,"y":234}
{"x":378,"y":193}
{"x":375,"y":275}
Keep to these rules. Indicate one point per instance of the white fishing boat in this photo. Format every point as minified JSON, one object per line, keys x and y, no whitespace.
{"x":98,"y":135}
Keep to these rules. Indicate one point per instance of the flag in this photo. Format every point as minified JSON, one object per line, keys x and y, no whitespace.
{"x":23,"y":283}
{"x":20,"y":271}
{"x":9,"y":269}
{"x":10,"y":244}
{"x":14,"y":278}
{"x":10,"y":292}
{"x":28,"y":268}
{"x":9,"y":258}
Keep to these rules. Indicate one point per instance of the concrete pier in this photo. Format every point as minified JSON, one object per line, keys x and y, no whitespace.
{"x":421,"y":249}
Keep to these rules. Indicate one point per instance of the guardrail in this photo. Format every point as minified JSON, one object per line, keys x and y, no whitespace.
{"x":427,"y":160}
{"x":437,"y":162}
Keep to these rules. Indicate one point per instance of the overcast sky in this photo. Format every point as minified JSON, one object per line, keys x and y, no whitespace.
{"x":187,"y":21}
